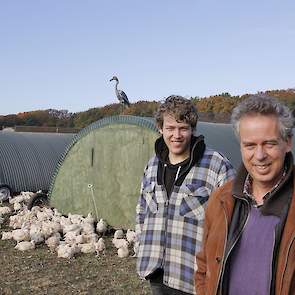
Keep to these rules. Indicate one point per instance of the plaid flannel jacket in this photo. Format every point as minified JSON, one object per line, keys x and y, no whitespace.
{"x":169,"y":231}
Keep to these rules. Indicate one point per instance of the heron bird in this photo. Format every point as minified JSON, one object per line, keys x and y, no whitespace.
{"x":121,"y":95}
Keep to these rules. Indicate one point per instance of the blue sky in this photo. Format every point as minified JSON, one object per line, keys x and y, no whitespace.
{"x":61,"y":54}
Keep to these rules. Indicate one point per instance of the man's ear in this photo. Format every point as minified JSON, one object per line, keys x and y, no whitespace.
{"x":160,"y":129}
{"x":289,"y":144}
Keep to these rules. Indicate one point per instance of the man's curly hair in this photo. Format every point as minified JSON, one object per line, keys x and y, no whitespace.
{"x":180,"y":108}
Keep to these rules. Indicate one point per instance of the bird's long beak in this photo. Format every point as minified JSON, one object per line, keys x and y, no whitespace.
{"x":112,"y":79}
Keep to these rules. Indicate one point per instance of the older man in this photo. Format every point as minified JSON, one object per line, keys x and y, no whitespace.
{"x":249,"y":238}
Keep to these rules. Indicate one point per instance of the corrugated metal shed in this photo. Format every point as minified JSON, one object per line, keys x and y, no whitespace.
{"x":28,"y":160}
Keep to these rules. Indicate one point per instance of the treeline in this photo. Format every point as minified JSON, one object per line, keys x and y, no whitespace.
{"x":215,"y":108}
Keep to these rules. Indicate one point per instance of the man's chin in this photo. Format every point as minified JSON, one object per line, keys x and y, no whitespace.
{"x":268,"y":180}
{"x":178,"y":152}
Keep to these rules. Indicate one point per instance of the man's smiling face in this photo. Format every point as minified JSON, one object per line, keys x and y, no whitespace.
{"x":177,"y":136}
{"x":263,"y":149}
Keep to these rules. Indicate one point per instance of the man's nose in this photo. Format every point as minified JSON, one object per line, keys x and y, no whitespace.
{"x":176,"y":132}
{"x":260,"y":153}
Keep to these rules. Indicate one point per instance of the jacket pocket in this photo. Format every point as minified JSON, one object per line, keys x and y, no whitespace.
{"x":150,"y":198}
{"x":193,"y":202}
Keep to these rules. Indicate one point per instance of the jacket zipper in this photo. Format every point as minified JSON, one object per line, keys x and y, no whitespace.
{"x":285,"y":264}
{"x":271,"y":273}
{"x":220,"y":279}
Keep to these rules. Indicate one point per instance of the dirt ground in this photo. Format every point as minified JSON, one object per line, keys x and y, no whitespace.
{"x":40,"y":272}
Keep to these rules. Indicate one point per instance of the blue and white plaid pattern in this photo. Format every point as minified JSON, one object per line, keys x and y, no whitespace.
{"x":170,"y":231}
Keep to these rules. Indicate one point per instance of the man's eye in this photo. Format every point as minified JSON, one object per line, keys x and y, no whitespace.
{"x":271,"y":144}
{"x":249,"y":146}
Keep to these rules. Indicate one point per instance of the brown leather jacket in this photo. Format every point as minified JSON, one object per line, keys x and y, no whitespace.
{"x":210,"y":259}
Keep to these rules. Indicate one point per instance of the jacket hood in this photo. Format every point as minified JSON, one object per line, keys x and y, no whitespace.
{"x":197,"y":148}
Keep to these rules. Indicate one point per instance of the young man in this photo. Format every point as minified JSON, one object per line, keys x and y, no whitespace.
{"x":175,"y":188}
{"x":249,"y":236}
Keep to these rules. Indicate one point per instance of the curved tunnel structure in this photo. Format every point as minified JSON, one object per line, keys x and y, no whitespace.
{"x":28,"y":160}
{"x":101,"y":169}
{"x":98,"y":170}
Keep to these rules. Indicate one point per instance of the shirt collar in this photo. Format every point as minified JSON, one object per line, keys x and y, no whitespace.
{"x":247,"y":191}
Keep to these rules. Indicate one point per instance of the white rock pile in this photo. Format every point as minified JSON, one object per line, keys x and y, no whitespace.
{"x":67,"y":236}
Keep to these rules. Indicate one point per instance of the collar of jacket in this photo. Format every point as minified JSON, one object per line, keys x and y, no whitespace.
{"x":274,"y":204}
{"x":197,"y":149}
